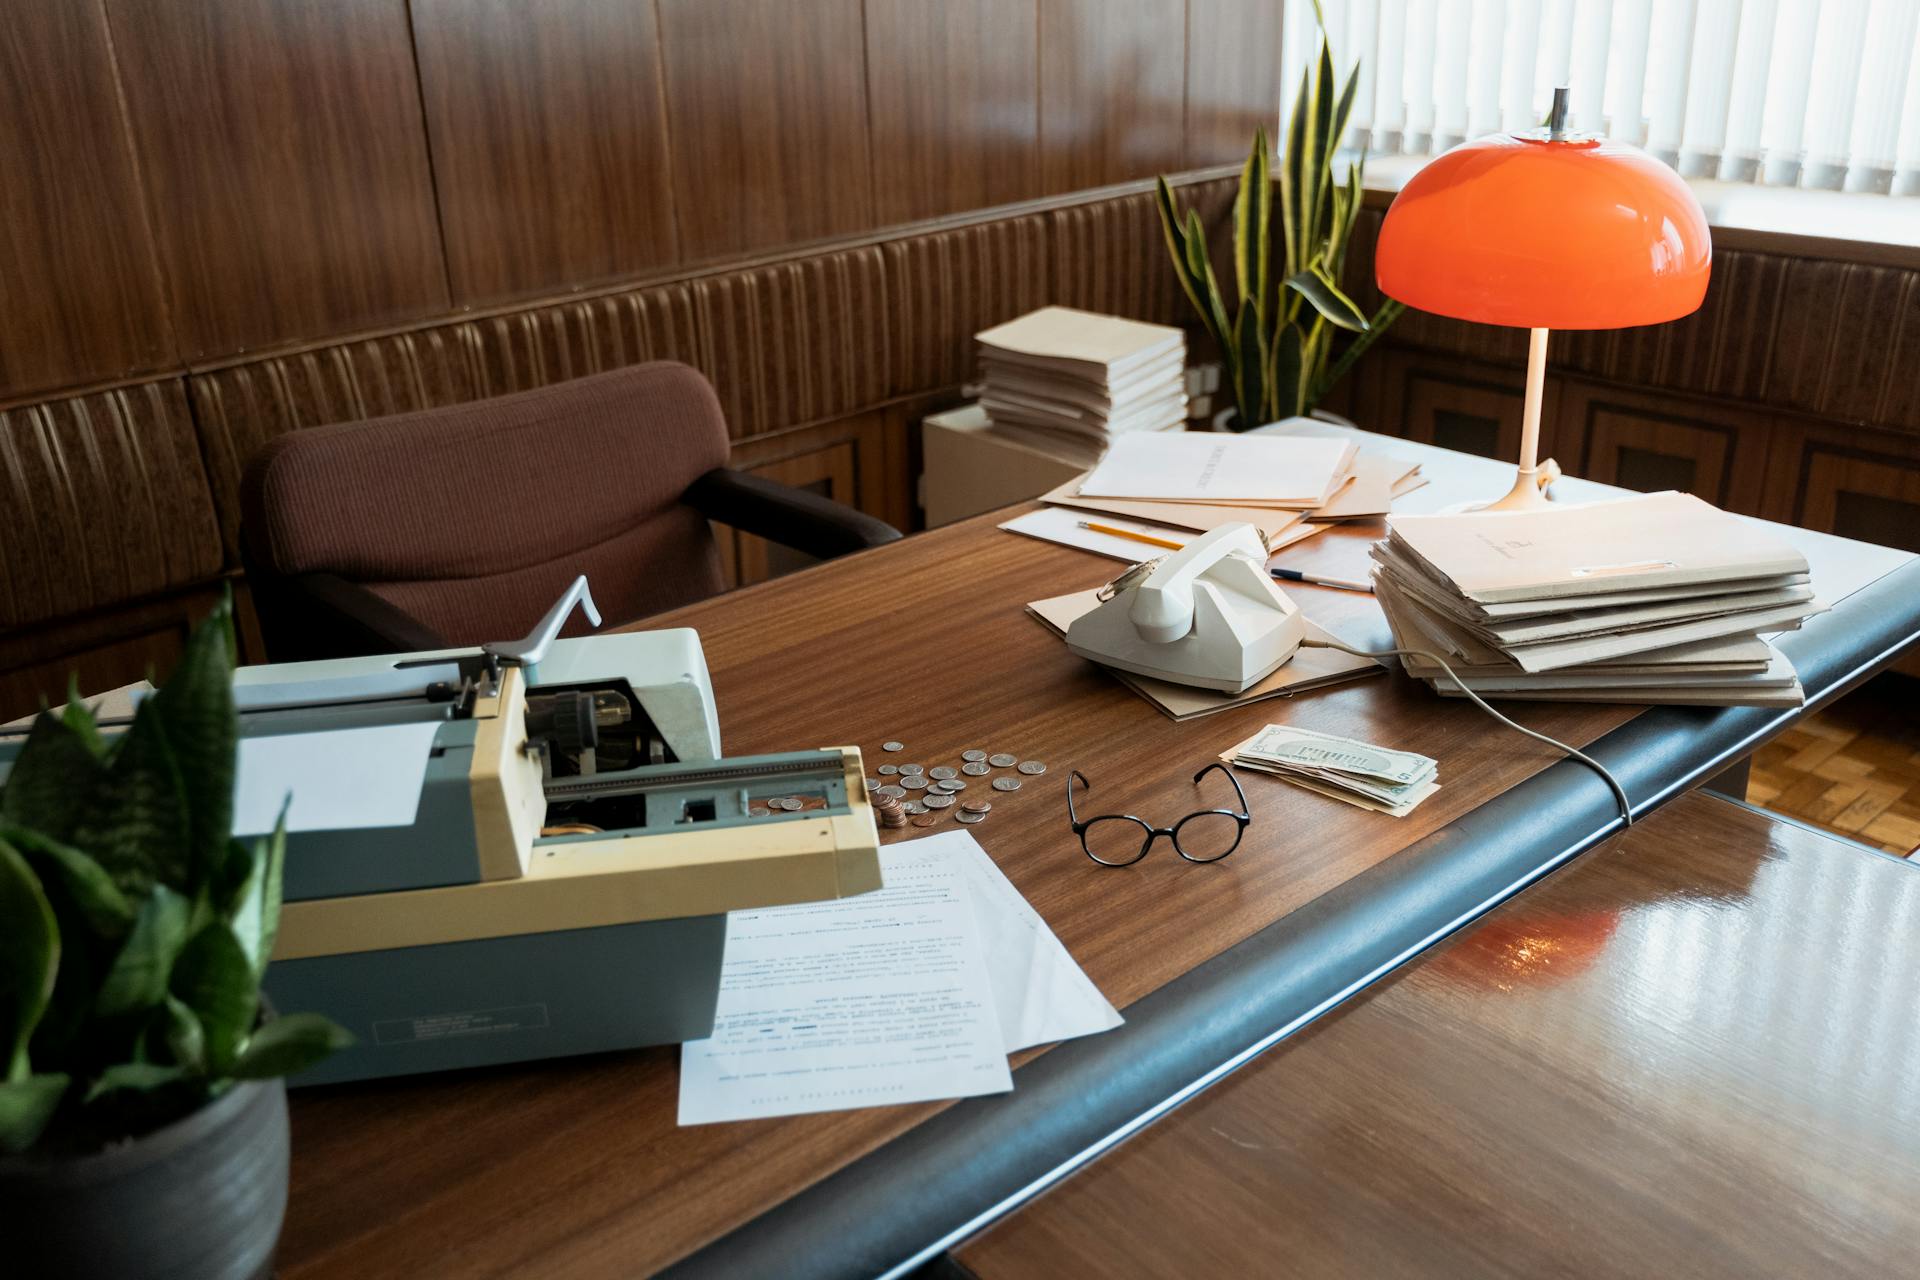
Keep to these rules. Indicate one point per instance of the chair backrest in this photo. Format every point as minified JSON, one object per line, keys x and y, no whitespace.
{"x":474,"y":517}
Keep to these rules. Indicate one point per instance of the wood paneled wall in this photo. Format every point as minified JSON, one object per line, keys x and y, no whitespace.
{"x":226,"y":219}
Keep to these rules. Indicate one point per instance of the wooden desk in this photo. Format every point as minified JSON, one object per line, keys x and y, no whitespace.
{"x":576,"y":1168}
{"x":1693,"y":1052}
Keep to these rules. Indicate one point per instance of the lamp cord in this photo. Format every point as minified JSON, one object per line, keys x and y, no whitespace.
{"x":1619,"y":792}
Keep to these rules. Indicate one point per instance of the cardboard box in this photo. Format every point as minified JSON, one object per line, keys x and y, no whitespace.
{"x":970,"y":468}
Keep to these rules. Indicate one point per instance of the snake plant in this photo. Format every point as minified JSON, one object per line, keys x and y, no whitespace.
{"x":1278,"y":347}
{"x":134,"y":929}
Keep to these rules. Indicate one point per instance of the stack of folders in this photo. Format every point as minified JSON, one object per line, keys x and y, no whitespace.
{"x":1661,"y":598}
{"x":1058,"y":375}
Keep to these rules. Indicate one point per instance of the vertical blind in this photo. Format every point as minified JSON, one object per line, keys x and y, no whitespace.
{"x":1812,"y":93}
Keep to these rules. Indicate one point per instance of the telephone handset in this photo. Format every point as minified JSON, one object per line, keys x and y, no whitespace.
{"x":1207,"y":615}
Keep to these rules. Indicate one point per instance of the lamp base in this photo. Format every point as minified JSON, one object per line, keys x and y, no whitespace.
{"x":1529,"y":492}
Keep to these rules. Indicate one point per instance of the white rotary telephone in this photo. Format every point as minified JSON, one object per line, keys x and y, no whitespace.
{"x":1207,"y":615}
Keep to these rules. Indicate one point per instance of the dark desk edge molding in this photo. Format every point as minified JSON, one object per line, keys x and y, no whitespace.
{"x":934,"y":1185}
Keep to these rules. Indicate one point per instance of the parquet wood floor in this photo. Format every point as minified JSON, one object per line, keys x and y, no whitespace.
{"x":1853,"y":767}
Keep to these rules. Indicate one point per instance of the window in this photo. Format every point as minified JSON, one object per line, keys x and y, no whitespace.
{"x":1811,"y":93}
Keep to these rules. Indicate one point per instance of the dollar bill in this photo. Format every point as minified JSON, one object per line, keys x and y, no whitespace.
{"x":1371,"y":777}
{"x":1304,"y":748}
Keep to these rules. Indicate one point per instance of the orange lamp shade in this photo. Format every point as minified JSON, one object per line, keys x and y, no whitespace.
{"x":1565,"y":233}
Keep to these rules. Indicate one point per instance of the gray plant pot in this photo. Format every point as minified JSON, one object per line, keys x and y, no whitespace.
{"x":201,"y":1199}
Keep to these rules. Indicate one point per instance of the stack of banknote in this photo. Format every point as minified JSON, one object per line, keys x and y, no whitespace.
{"x":1378,"y":778}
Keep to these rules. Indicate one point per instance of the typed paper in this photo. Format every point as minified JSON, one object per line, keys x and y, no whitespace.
{"x":868,"y":1001}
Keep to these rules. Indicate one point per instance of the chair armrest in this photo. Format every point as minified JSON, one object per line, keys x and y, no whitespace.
{"x":321,"y":615}
{"x":792,"y":517}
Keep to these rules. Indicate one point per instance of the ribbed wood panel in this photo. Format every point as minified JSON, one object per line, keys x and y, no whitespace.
{"x":1111,"y":256}
{"x":241,"y":408}
{"x":942,"y":289}
{"x":796,"y":342}
{"x":573,"y":339}
{"x":1835,"y":340}
{"x":105,"y":502}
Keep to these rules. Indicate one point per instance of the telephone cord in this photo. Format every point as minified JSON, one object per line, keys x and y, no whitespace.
{"x":1619,"y":792}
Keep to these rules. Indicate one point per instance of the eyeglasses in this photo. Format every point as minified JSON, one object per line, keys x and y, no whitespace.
{"x":1120,"y":839}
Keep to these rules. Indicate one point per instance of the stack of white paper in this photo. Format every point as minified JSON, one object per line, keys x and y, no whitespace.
{"x":1657,"y":598}
{"x":1061,"y":375}
{"x":915,"y":993}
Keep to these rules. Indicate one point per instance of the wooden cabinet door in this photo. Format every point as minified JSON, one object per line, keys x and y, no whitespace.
{"x":1467,"y":406}
{"x":851,"y":460}
{"x":1653,"y":442}
{"x":1855,"y":483}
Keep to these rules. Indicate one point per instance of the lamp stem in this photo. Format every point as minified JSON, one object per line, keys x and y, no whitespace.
{"x":1526,"y":494}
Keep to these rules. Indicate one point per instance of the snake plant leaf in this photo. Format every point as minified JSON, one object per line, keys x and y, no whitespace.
{"x":214,"y":978}
{"x":1342,"y":112}
{"x":29,"y":958}
{"x":195,"y":707}
{"x":1201,"y":267}
{"x":137,"y":979}
{"x":288,"y":1044}
{"x":1318,"y":288}
{"x":135,"y":824}
{"x":1176,"y":236}
{"x":82,"y":881}
{"x":52,"y":778}
{"x":1252,"y":220}
{"x":1252,"y":392}
{"x":1295,"y":181}
{"x":1382,"y":320}
{"x":139,"y":1076}
{"x":253,"y":912}
{"x":1287,"y":370}
{"x":26,"y":1105}
{"x":1321,"y":142}
{"x":186,"y":1040}
{"x":78,"y":716}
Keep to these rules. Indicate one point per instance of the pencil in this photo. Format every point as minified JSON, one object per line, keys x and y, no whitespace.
{"x":1129,"y":534}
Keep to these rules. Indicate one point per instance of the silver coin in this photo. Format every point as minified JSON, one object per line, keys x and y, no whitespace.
{"x":1032,"y":767}
{"x":890,"y":790}
{"x":914,"y":781}
{"x":893,"y":746}
{"x":952,"y":784}
{"x":758,"y":811}
{"x":913,"y":768}
{"x":943,"y":772}
{"x":1006,"y":784}
{"x":887,"y":770}
{"x":971,"y":756}
{"x":1002,"y":760}
{"x":974,"y":769}
{"x":914,"y":807}
{"x":873,"y":784}
{"x":789,"y":804}
{"x":936,"y":801}
{"x":969,"y":818}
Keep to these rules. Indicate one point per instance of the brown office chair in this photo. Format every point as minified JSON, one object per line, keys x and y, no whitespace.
{"x":460,"y":525}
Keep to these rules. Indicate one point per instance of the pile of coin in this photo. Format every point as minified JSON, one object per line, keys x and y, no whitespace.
{"x":913,"y":794}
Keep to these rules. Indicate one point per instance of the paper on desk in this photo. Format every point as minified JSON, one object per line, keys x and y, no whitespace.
{"x":1040,"y":993}
{"x":1062,"y":525}
{"x":1281,"y":471}
{"x":340,"y":779}
{"x":874,"y":1000}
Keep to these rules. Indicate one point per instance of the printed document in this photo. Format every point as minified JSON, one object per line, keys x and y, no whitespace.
{"x":857,"y":1002}
{"x":914,"y":993}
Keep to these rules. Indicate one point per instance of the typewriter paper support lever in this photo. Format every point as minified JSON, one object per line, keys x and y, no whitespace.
{"x":528,"y":651}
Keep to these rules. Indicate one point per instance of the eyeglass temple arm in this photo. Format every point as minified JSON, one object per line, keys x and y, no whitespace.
{"x":1072,"y":816}
{"x":1231,"y":777}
